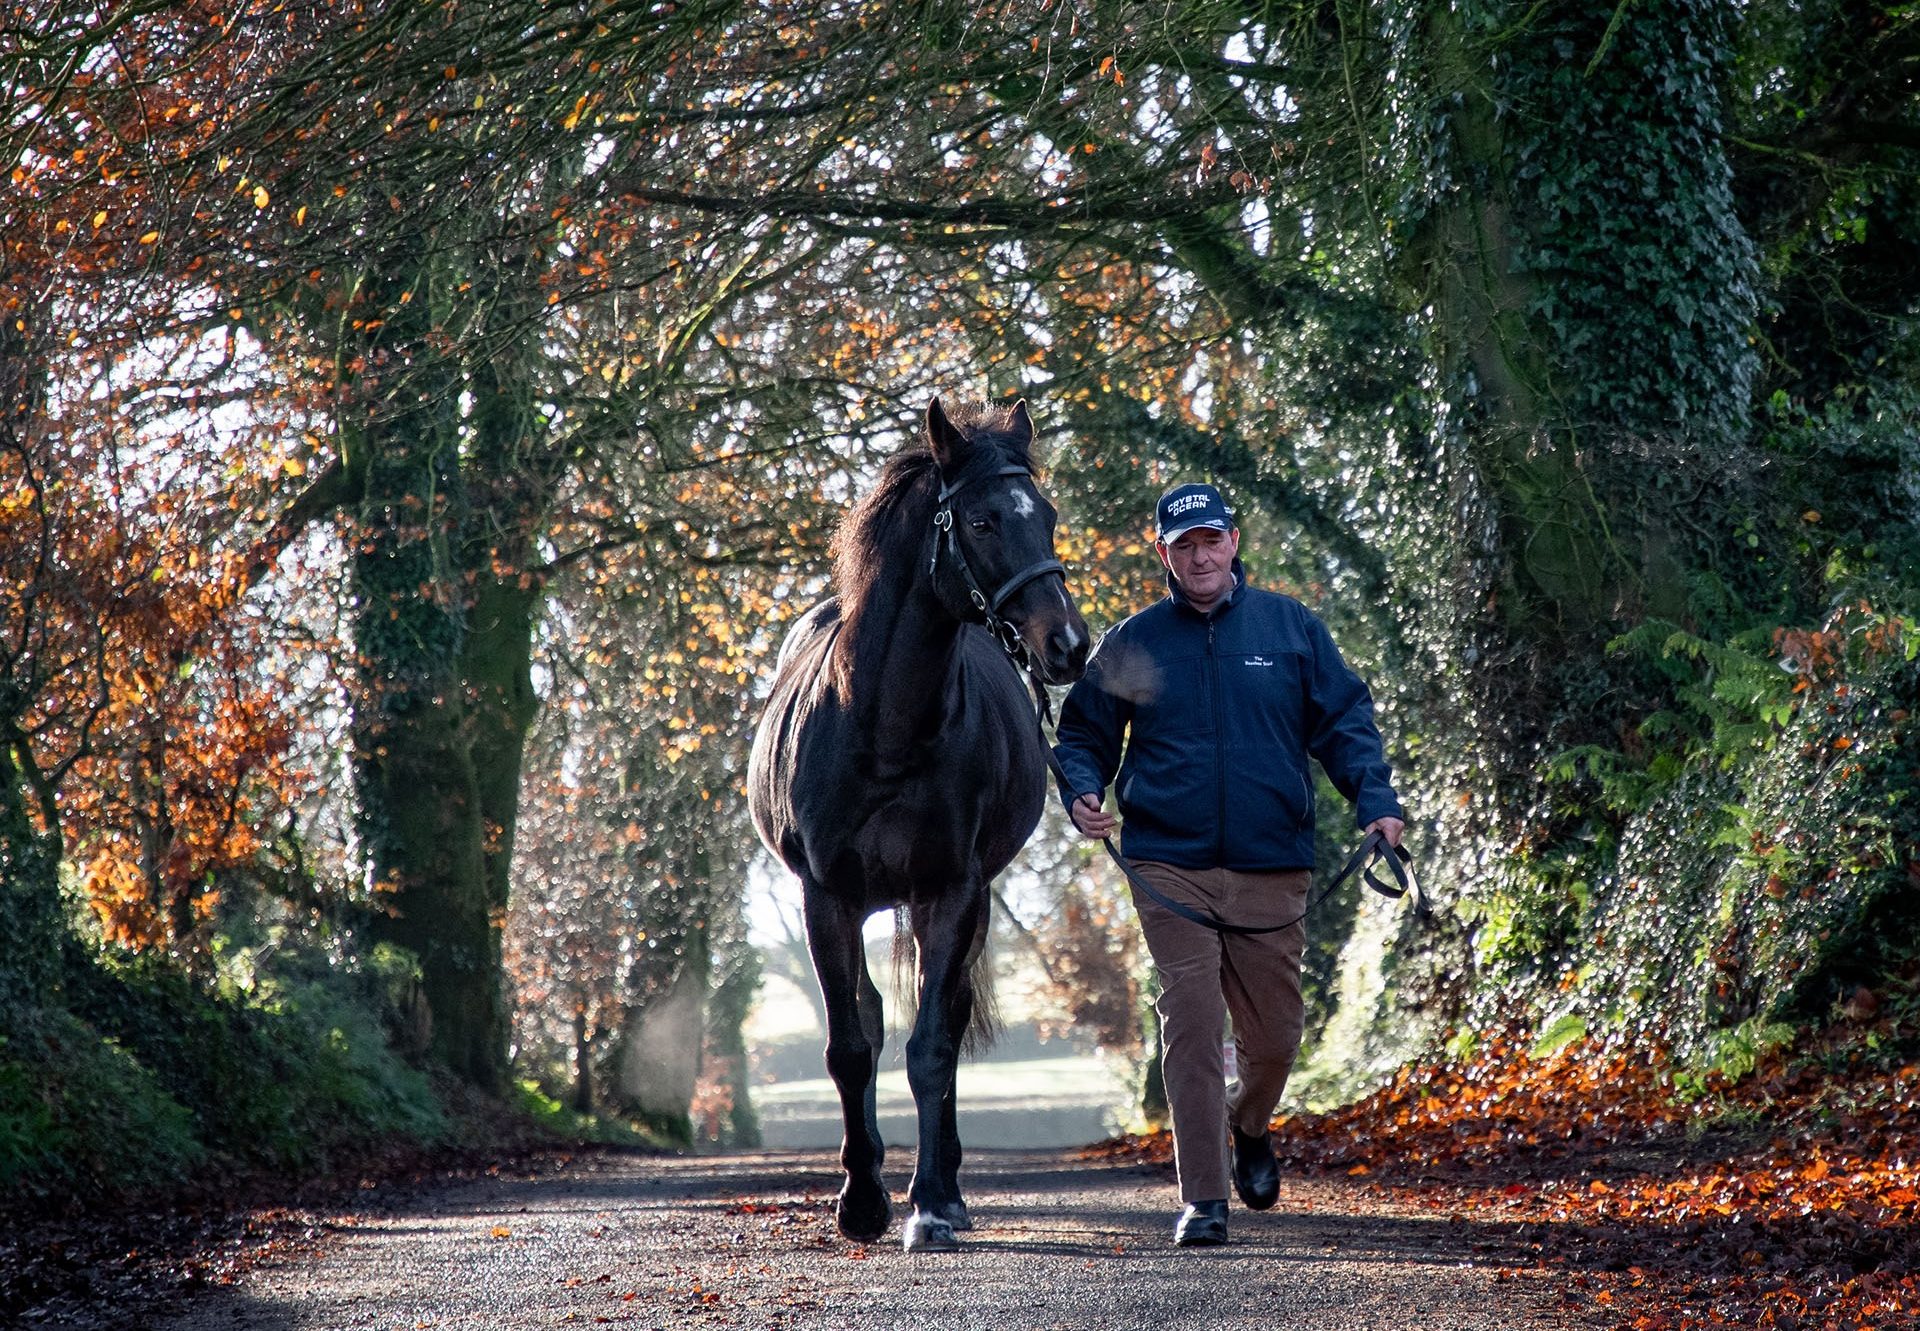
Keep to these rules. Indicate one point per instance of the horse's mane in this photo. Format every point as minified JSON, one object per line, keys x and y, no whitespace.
{"x":881,"y":527}
{"x":889,"y":524}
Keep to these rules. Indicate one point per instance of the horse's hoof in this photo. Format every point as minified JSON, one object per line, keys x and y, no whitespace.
{"x":863,"y":1219}
{"x":926,"y":1232}
{"x":955,"y":1214}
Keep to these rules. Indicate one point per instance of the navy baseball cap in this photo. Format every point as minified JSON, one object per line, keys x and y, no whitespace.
{"x":1185,"y":507}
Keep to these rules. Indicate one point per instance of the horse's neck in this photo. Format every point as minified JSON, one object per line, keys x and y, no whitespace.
{"x":902,"y":658}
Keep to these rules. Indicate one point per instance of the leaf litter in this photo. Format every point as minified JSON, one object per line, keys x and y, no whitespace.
{"x":1789,"y":1200}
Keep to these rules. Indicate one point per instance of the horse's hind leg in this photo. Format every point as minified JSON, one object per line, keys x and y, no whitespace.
{"x":853,"y":1058}
{"x":944,"y":927}
{"x":873,"y":1024}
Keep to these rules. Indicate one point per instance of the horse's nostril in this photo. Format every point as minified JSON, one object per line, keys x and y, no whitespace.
{"x":1067,"y":648}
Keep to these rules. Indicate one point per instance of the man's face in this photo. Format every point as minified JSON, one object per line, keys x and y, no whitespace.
{"x":1201,"y":561}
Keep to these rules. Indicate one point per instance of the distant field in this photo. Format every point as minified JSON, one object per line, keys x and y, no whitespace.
{"x":1031,"y":1102}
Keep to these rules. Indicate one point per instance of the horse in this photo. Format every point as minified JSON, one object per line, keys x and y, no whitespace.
{"x":900,"y":765}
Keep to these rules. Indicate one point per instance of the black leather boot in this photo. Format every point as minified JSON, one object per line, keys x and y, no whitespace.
{"x":1202,"y":1225}
{"x":1256,"y":1174}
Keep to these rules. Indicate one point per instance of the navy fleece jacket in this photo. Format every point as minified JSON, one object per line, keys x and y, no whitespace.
{"x":1209,"y":720}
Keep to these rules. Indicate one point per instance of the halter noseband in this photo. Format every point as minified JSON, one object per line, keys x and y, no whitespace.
{"x":988,"y":605}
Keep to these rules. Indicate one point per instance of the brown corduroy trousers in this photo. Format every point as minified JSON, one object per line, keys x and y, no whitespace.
{"x":1204,"y":976}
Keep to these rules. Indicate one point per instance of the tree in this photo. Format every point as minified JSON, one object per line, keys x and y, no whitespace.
{"x":136,"y":733}
{"x":415,"y":269}
{"x":1470,"y":298}
{"x":1564,"y":358}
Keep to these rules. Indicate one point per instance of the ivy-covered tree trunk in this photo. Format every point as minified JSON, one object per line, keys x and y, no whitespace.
{"x":1565,"y":250}
{"x":1592,"y":292}
{"x":735,"y":985}
{"x":419,"y":799}
{"x":446,"y":604}
{"x":30,"y":926}
{"x":664,"y":1032}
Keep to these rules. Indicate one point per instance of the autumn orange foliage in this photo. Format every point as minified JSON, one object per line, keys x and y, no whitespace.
{"x":190,"y":758}
{"x":1789,"y":1200}
{"x":154,"y":703}
{"x":140,"y":696}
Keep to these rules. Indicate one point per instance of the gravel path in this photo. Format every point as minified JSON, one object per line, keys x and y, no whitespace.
{"x":748,"y":1241}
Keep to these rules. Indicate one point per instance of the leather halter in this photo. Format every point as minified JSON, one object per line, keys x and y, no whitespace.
{"x":988,"y":606}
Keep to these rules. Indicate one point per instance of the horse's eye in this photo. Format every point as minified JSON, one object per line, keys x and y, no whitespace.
{"x":980,"y":523}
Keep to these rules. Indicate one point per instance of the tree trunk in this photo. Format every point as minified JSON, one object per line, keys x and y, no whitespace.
{"x":509,"y":483}
{"x":30,"y":924}
{"x":1591,"y":292}
{"x":727,"y":1008}
{"x":1154,"y":1111}
{"x":583,"y":1094}
{"x":446,"y":609}
{"x":31,"y":927}
{"x":440,"y":754}
{"x":660,"y":1060}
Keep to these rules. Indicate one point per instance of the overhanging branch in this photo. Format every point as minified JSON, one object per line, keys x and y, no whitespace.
{"x":1024,"y":216}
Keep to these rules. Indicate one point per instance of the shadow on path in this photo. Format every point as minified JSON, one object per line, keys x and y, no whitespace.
{"x":748,"y":1240}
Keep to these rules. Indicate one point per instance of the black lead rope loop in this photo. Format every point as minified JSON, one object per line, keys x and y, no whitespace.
{"x":1399,"y":861}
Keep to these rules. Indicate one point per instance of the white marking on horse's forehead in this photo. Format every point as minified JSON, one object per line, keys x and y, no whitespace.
{"x":1022,"y":500}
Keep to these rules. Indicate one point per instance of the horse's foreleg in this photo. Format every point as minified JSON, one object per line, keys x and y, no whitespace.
{"x":944,"y":929}
{"x":853,"y":1058}
{"x":955,"y":1211}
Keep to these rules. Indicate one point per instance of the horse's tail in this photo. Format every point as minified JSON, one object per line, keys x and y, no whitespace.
{"x":983,"y":1022}
{"x":906,"y":994}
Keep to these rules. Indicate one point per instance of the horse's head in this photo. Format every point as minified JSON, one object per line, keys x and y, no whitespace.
{"x":993,"y":516}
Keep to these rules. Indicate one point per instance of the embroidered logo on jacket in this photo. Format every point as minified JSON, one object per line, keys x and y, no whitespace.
{"x":1260,"y":660}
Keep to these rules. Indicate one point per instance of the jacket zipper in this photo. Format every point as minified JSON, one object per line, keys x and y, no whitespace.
{"x":1219,"y":755}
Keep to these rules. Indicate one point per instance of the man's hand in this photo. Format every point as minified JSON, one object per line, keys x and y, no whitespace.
{"x":1093,"y":821}
{"x":1391,"y":828}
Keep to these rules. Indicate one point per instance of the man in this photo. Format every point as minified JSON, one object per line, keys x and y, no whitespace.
{"x":1207,"y":705}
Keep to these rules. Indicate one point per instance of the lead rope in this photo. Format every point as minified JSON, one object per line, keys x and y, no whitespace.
{"x":1373,"y":849}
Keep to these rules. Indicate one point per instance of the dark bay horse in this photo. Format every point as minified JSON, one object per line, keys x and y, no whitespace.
{"x":900,"y":764}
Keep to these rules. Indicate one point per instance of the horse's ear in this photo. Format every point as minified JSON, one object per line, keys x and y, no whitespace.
{"x":948,"y":444}
{"x":1020,"y":425}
